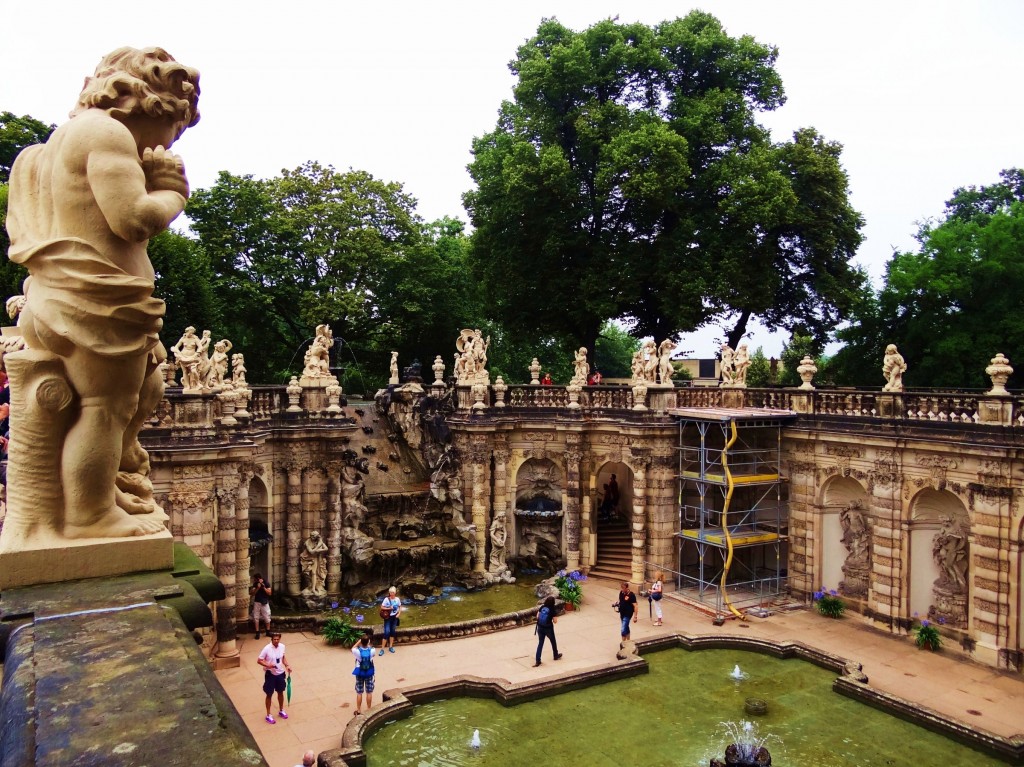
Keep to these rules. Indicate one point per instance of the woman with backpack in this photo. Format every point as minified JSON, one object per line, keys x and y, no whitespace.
{"x":363,"y":672}
{"x":546,"y":628}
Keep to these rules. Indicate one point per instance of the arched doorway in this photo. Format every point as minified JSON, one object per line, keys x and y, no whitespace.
{"x":610,"y":526}
{"x":261,"y":538}
{"x":539,"y":515}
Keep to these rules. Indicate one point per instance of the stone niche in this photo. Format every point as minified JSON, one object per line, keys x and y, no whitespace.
{"x":540,"y":485}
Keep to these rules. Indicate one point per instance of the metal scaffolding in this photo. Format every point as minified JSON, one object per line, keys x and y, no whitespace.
{"x":733,"y":519}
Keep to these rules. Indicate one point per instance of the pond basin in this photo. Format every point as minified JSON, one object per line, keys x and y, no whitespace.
{"x":672,"y":715}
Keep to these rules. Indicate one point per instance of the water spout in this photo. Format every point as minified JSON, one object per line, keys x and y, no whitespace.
{"x":737,"y":674}
{"x":746,"y":746}
{"x":474,"y":742}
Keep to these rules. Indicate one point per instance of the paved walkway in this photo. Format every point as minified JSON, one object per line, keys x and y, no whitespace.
{"x":323,"y":699}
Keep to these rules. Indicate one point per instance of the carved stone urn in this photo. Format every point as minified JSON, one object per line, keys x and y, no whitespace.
{"x":806,"y":370}
{"x":639,"y":395}
{"x":294,"y":392}
{"x":574,"y":390}
{"x":999,"y":371}
{"x":499,"y":392}
{"x":479,"y":395}
{"x":438,"y":368}
{"x":534,"y":372}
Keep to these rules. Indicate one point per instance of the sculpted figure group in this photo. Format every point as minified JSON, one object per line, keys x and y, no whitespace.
{"x":652,"y":364}
{"x":317,"y":362}
{"x":734,"y":366}
{"x":82,"y":208}
{"x":471,"y":359}
{"x":201,"y":371}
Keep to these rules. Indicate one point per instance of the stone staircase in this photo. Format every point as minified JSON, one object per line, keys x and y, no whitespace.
{"x":614,"y":551}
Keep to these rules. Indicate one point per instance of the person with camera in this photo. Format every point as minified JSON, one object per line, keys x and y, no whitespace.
{"x":626,"y":607}
{"x":260,"y":593}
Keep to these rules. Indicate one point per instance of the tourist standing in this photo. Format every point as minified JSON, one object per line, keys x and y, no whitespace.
{"x":363,"y":672}
{"x":546,"y":380}
{"x":546,"y":629}
{"x":656,"y":593}
{"x":390,"y":609}
{"x":275,"y":665}
{"x":627,"y":608}
{"x":260,"y":592}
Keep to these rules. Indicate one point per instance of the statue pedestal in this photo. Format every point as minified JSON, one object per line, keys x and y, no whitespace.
{"x":54,"y":560}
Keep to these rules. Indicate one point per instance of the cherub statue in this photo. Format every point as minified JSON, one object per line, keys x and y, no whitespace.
{"x":893,"y":368}
{"x":637,"y":366}
{"x":665,"y":369}
{"x":238,"y":370}
{"x":82,"y":209}
{"x":580,"y":366}
{"x":218,"y":364}
{"x":317,"y":362}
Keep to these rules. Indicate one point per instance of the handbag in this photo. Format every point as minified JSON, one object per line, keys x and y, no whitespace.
{"x":656,"y":596}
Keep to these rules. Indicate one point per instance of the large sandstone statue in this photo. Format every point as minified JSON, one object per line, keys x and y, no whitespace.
{"x":82,"y":209}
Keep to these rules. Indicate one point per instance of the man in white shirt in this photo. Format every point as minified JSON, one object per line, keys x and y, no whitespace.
{"x":273,"y":660}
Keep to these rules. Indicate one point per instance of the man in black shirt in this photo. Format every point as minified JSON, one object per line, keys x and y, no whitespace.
{"x":260,"y":592}
{"x":627,"y":608}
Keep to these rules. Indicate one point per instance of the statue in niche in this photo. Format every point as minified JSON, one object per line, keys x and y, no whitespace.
{"x":499,"y":536}
{"x":949,"y":548}
{"x":313,"y":563}
{"x":856,"y":536}
{"x":82,"y":208}
{"x":893,"y":368}
{"x":740,"y":364}
{"x":189,"y":355}
{"x":317,"y":362}
{"x":357,"y":544}
{"x":728,"y":366}
{"x":665,"y":369}
{"x":218,"y":371}
{"x":580,"y":367}
{"x":238,"y":371}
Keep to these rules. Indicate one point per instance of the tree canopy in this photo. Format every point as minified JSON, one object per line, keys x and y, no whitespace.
{"x":955,"y":302}
{"x":316,"y":245}
{"x":630,"y":179}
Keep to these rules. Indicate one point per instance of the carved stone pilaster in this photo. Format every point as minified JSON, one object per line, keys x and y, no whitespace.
{"x":639,"y":460}
{"x":573,"y":491}
{"x":293,"y":523}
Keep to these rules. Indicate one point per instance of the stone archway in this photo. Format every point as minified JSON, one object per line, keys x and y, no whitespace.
{"x":261,"y":538}
{"x":611,"y":529}
{"x":845,"y":539}
{"x":939,"y":558}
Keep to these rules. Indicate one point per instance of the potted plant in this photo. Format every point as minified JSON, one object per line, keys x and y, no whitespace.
{"x":828,"y":603}
{"x":569,"y":589}
{"x":339,"y":630}
{"x":927,"y":636}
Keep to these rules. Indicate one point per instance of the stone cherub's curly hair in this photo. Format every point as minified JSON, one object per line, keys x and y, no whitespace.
{"x":130,"y":81}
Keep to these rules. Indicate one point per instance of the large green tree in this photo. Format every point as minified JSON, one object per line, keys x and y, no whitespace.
{"x":953,"y":303}
{"x":184,"y":280}
{"x":316,"y":245}
{"x":630,"y":179}
{"x":16,"y":133}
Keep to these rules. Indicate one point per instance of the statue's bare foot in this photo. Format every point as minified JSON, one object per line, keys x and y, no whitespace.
{"x":116,"y":523}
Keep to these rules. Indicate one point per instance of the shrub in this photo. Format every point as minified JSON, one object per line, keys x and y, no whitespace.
{"x":927,"y":636}
{"x":339,"y":630}
{"x":828,"y":603}
{"x":569,"y":588}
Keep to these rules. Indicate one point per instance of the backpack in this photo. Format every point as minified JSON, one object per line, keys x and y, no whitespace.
{"x":365,"y":661}
{"x":544,"y":617}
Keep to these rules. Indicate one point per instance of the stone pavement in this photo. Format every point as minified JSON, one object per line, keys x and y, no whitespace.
{"x":323,"y":699}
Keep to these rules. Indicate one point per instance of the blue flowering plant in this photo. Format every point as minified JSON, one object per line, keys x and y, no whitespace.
{"x":926,"y":635}
{"x":828,"y":603}
{"x":569,"y":588}
{"x":338,"y":629}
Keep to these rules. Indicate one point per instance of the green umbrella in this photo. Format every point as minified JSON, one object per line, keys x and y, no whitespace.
{"x":289,"y":689}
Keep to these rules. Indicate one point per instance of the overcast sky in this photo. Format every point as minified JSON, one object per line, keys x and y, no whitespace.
{"x":920,"y":94}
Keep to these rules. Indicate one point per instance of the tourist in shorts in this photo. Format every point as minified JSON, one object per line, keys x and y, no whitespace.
{"x":390,"y":609}
{"x":363,"y":672}
{"x":261,"y":592}
{"x":275,"y":665}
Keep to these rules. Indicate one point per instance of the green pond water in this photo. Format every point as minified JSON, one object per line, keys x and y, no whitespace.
{"x":456,"y":606}
{"x":672,"y":716}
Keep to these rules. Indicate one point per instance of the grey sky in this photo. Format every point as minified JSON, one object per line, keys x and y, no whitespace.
{"x":919,"y":93}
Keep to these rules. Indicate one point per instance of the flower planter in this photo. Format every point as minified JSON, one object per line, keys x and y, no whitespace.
{"x":569,"y":607}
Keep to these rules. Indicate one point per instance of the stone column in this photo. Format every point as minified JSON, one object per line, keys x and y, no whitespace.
{"x":662,"y":512}
{"x":587,"y":547}
{"x":293,"y":526}
{"x":242,"y":547}
{"x":802,"y":489}
{"x":890,"y":542}
{"x":226,"y":571}
{"x":992,"y":557}
{"x":573,"y":456}
{"x":333,"y":584}
{"x":478,"y":455}
{"x":639,"y":463}
{"x":502,"y":498}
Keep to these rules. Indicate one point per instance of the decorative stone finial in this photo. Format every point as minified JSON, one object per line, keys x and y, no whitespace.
{"x":999,"y":371}
{"x":806,"y":370}
{"x":535,"y":372}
